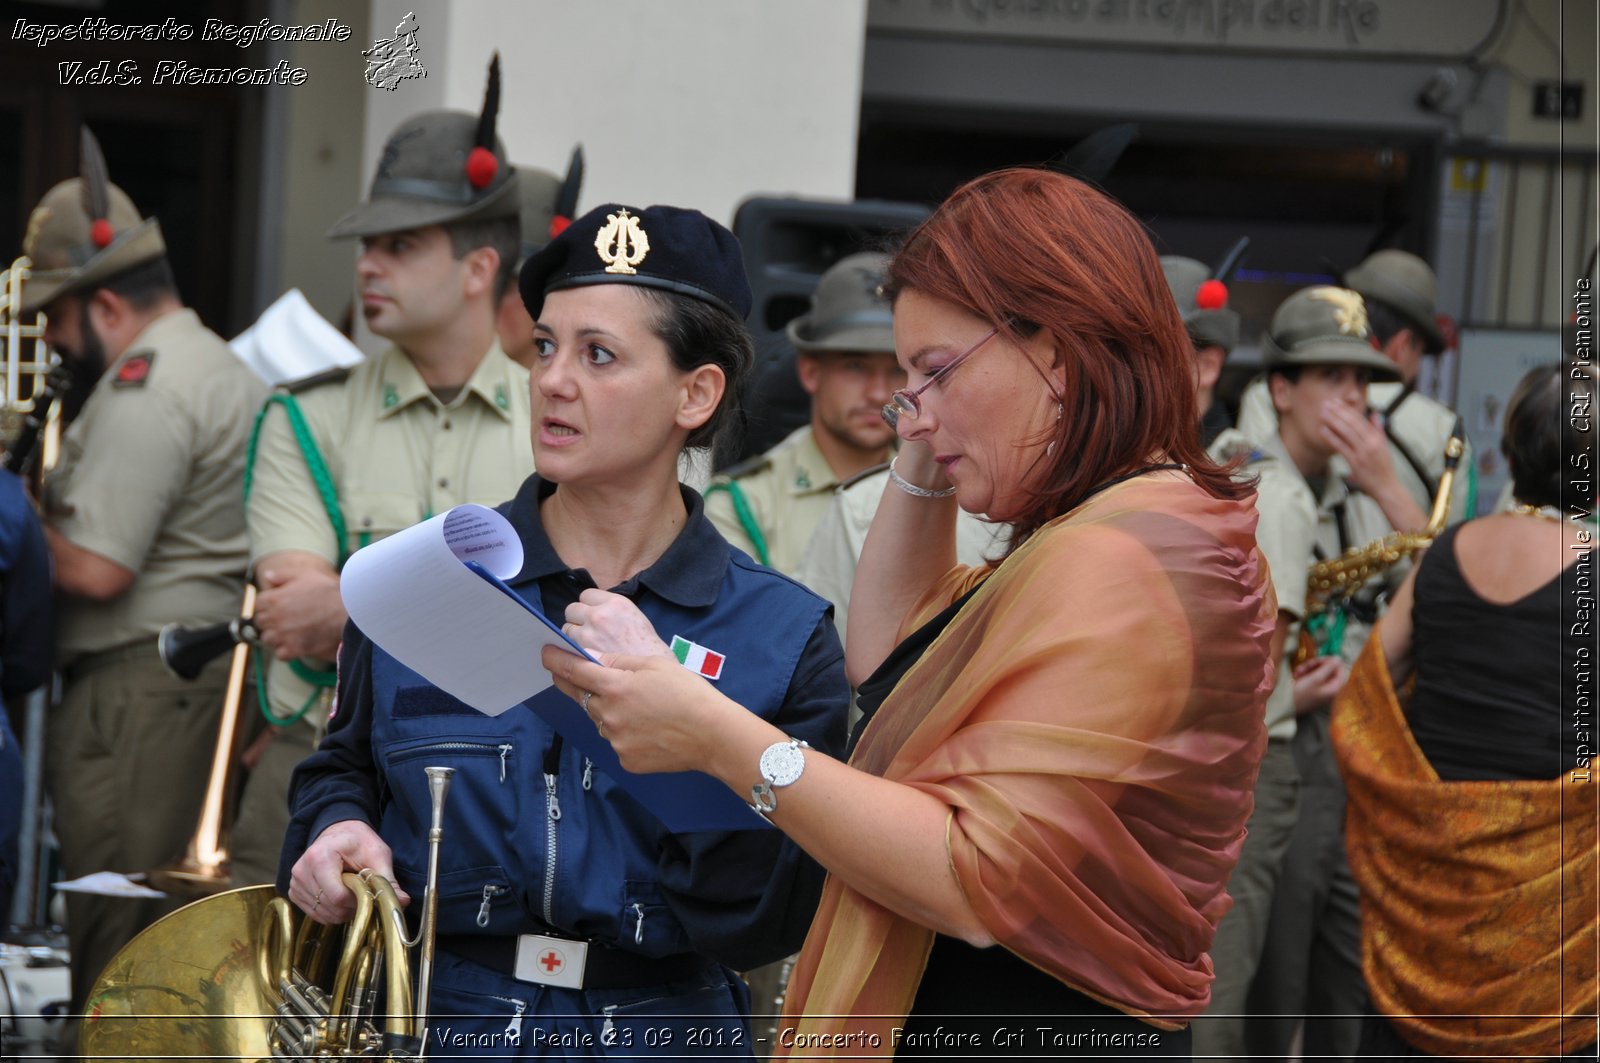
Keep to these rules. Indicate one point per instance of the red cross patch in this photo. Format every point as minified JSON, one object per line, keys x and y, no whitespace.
{"x":552,"y":961}
{"x":134,"y":370}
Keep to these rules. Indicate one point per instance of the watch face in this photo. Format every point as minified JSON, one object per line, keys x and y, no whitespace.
{"x":782,"y":763}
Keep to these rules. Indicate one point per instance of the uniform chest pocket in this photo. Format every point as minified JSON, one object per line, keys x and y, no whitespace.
{"x":371,"y":515}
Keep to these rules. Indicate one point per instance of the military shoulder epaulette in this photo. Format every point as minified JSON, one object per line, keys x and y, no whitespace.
{"x":306,"y":383}
{"x":134,"y":370}
{"x":747,"y":467}
{"x":862,"y":475}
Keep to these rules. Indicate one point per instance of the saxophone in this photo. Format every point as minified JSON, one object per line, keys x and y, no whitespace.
{"x":1331,"y":583}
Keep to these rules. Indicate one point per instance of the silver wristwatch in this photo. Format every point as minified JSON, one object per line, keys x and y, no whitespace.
{"x":781,"y":764}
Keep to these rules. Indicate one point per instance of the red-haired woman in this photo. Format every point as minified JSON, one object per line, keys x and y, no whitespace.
{"x":1037,"y":823}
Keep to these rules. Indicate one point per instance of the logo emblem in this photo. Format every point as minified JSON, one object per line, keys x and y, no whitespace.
{"x":552,"y":961}
{"x":1348,"y":310}
{"x":392,"y":61}
{"x":621,"y":244}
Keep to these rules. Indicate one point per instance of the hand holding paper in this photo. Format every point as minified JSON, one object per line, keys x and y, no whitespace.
{"x":433,"y":598}
{"x":415,"y":595}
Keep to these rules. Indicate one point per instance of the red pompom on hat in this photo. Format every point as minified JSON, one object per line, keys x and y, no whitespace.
{"x":481,"y":167}
{"x":558,"y":225}
{"x":1211,"y":295}
{"x":101,"y":233}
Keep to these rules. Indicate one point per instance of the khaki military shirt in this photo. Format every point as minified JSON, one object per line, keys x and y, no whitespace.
{"x":828,"y":565}
{"x":1421,"y":425}
{"x":787,"y":489}
{"x":151,"y":477}
{"x":396,"y":456}
{"x":1286,"y":533}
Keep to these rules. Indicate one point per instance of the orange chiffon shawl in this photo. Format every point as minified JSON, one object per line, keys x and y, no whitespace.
{"x":1478,"y":899}
{"x":1093,"y":718}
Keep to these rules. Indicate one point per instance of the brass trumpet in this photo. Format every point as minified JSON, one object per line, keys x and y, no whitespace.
{"x":243,"y":975}
{"x":203,"y":868}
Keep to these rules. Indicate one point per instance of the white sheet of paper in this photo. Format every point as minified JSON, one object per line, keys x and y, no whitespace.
{"x":413,"y":595}
{"x":108,"y":884}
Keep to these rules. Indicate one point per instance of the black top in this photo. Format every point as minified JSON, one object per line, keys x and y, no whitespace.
{"x":1488,"y":698}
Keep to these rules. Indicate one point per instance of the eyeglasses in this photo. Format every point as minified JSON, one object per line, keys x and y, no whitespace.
{"x":906,"y":401}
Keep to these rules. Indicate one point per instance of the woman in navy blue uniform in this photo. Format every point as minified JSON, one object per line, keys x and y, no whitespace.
{"x":571,"y":921}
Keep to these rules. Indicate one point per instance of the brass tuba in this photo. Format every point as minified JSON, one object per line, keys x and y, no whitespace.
{"x":242,"y":975}
{"x":1332,"y":582}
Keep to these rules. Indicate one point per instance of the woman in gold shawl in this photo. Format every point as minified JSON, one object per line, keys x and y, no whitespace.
{"x":1036,"y":826}
{"x":1472,"y":816}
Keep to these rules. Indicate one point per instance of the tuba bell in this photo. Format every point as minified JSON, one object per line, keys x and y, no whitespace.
{"x":243,"y":975}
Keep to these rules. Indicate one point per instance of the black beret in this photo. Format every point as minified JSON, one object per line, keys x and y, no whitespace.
{"x":668,"y":248}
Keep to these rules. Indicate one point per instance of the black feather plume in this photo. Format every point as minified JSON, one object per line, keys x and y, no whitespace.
{"x":1231,"y":260}
{"x":491,"y":106}
{"x":567,"y":200}
{"x":1092,"y":158}
{"x":96,"y":180}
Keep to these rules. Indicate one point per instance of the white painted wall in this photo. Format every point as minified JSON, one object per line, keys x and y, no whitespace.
{"x":697,"y":103}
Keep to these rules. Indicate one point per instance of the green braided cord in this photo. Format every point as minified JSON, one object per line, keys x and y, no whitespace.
{"x":320,"y":477}
{"x":319,"y":678}
{"x":266,"y":707}
{"x":747,"y":520}
{"x":1472,"y":491}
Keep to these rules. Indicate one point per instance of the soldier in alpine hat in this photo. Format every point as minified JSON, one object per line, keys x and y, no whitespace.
{"x":145,"y":526}
{"x":438,"y":419}
{"x":548,"y":206}
{"x":769,"y":505}
{"x":1213,"y":328}
{"x":1321,"y":360}
{"x":1400,"y":446}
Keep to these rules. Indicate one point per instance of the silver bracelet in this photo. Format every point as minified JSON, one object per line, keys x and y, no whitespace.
{"x":912,"y":489}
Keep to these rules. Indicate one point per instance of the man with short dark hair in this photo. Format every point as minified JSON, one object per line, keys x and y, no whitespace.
{"x":438,"y":419}
{"x":145,"y":525}
{"x":769,"y":505}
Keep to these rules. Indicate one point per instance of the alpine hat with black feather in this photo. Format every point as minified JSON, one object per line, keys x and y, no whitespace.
{"x":84,"y":232}
{"x":438,"y":167}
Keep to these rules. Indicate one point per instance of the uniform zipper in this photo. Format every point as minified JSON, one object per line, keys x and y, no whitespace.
{"x":638,"y":926}
{"x":514,"y":1027}
{"x":552,"y":767}
{"x":490,"y":892}
{"x":608,"y":1032}
{"x":503,"y":750}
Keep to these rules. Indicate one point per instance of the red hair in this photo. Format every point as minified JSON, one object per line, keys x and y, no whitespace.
{"x":1027,"y":248}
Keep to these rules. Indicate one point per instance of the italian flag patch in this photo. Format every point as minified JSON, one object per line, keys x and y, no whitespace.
{"x":697,"y":658}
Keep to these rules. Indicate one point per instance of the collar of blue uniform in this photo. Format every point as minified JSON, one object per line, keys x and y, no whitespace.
{"x":402,"y":384}
{"x":689,"y":574}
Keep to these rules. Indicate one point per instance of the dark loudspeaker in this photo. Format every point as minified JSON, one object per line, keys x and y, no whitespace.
{"x":788,"y":244}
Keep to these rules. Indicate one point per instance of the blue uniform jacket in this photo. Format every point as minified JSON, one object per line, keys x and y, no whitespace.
{"x":26,"y":643}
{"x":536,"y":840}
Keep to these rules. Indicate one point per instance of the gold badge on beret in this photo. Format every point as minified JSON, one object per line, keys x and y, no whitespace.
{"x":621,"y":244}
